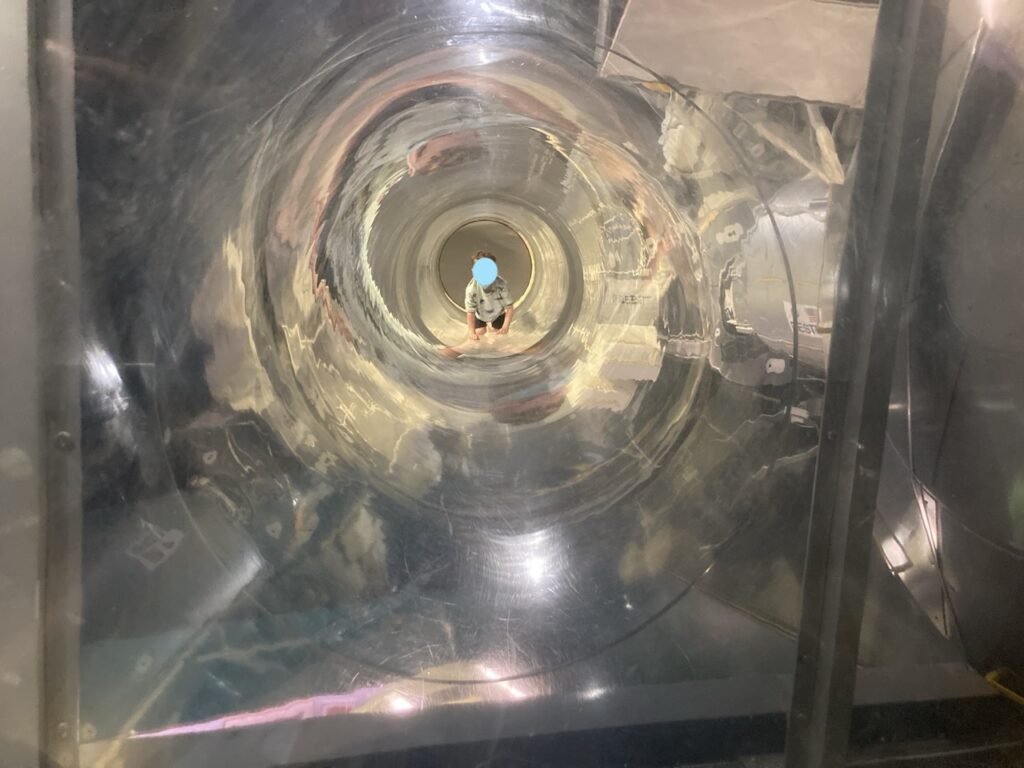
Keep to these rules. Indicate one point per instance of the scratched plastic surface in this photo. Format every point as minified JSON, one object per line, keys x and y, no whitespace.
{"x":264,"y":503}
{"x":306,"y":493}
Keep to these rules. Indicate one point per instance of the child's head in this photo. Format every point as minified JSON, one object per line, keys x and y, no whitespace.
{"x":488,"y":287}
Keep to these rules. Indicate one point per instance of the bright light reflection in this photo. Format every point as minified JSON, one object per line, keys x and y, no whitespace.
{"x":988,"y":11}
{"x":398,"y":703}
{"x":508,"y":686}
{"x":494,"y":9}
{"x":536,"y":567}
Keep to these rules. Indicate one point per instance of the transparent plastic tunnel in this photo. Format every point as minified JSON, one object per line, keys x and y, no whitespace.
{"x":733,"y":475}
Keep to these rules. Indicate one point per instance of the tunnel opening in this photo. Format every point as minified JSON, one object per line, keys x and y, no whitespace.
{"x":515,"y":260}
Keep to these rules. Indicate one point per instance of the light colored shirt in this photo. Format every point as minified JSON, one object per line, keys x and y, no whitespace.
{"x":487,"y":306}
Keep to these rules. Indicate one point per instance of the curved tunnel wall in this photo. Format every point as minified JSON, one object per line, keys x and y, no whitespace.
{"x":289,"y":441}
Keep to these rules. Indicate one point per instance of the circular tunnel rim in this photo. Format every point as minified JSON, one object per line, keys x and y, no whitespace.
{"x":494,"y":219}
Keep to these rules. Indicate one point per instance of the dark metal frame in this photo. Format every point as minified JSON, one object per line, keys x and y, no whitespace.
{"x":60,"y":358}
{"x":872,"y":287}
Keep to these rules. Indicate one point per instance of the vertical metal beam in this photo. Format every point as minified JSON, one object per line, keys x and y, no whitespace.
{"x":871,"y":293}
{"x":60,"y":358}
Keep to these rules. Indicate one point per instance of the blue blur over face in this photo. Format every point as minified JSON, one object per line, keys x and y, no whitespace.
{"x":485,"y":271}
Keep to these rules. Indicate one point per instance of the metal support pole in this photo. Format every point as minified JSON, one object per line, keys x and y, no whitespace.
{"x":870,"y":297}
{"x":60,"y":360}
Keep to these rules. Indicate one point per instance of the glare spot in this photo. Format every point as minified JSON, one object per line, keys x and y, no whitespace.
{"x":399,"y":703}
